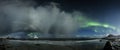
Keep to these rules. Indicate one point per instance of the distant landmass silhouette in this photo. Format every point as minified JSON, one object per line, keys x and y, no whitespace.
{"x":108,"y":46}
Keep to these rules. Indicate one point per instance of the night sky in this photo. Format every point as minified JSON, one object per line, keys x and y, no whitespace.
{"x":99,"y":10}
{"x":102,"y":11}
{"x":98,"y":16}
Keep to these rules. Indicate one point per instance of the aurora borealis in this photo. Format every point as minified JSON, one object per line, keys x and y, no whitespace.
{"x":99,"y":24}
{"x":90,"y":27}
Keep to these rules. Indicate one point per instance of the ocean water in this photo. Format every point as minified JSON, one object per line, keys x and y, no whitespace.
{"x":55,"y":45}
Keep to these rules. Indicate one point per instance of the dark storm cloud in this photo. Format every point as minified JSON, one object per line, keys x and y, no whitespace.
{"x":17,"y":15}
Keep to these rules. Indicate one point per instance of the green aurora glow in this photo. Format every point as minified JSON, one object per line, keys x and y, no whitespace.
{"x":85,"y":22}
{"x":99,"y":24}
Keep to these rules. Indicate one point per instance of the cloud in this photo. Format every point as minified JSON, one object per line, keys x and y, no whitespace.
{"x":17,"y":15}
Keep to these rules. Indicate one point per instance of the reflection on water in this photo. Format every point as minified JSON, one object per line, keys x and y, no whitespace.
{"x":50,"y":45}
{"x":55,"y":45}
